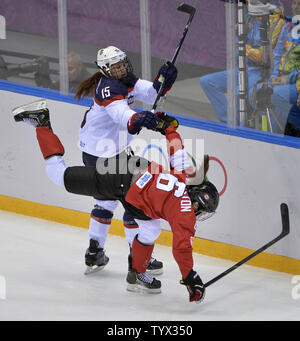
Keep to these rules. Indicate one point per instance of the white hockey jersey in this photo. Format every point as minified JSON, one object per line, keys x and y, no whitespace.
{"x":103,"y":131}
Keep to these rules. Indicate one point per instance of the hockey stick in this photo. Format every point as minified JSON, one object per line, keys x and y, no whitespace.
{"x":285,"y":231}
{"x":191,"y":11}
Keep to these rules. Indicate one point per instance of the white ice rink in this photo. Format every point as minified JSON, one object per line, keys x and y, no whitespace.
{"x":41,"y":279}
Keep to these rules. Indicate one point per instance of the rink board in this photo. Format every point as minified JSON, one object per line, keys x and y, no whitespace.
{"x":260,"y":176}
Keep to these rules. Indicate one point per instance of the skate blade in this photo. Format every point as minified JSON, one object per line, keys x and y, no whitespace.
{"x":140,"y":289}
{"x":36,"y":105}
{"x":92,"y":269}
{"x":155,"y":272}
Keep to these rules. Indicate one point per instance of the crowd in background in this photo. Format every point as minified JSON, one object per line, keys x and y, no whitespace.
{"x":284,"y":80}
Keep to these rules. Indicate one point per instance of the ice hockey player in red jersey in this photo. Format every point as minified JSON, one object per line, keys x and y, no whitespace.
{"x":147,"y":192}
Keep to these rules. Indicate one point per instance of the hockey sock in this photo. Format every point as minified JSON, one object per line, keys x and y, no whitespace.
{"x":99,"y":225}
{"x":49,"y":143}
{"x":141,"y":255}
{"x":130,"y":228}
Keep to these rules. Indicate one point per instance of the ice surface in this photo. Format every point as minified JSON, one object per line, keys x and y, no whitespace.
{"x":42,"y":263}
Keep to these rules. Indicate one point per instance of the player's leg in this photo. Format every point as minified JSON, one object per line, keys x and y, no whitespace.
{"x":131,"y":228}
{"x":36,"y":114}
{"x":100,"y":221}
{"x":142,"y":248}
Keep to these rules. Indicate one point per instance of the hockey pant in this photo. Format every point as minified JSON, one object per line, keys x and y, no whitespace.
{"x":102,"y":213}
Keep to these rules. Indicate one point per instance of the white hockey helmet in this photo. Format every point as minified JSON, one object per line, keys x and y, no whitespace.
{"x":109,"y":56}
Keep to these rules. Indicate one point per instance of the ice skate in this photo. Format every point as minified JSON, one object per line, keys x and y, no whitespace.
{"x":155,"y":267}
{"x":95,"y":258}
{"x":142,"y":282}
{"x":35,"y":114}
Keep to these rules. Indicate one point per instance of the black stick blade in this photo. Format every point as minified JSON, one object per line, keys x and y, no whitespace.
{"x":186,"y":8}
{"x":285,"y":218}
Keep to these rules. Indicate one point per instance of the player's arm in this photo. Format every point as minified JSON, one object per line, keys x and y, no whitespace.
{"x":144,"y":91}
{"x":178,"y":157}
{"x":147,"y":91}
{"x":183,"y":228}
{"x":183,"y":163}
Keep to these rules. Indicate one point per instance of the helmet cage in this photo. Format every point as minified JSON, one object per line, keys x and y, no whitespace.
{"x":204,"y":215}
{"x":206,"y":196}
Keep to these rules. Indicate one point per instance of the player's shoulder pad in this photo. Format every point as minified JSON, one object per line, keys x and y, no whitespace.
{"x":110,"y":90}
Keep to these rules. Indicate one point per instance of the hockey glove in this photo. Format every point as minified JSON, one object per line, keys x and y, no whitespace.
{"x":167,"y":73}
{"x":142,"y":119}
{"x":194,"y":286}
{"x":165,"y":122}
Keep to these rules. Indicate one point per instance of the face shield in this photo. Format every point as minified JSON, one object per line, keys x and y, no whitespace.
{"x":201,"y":215}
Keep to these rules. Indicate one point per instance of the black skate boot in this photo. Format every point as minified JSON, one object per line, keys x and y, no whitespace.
{"x":155,"y":267}
{"x":35,"y":114}
{"x":142,"y":282}
{"x":95,"y":258}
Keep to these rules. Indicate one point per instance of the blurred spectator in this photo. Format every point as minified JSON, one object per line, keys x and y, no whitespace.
{"x":77,"y":73}
{"x":215,"y":85}
{"x":40,"y":68}
{"x":2,"y":68}
{"x":286,"y":71}
{"x":292,"y":127}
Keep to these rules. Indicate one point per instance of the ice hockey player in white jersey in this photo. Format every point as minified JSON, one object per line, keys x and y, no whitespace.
{"x":103,"y":134}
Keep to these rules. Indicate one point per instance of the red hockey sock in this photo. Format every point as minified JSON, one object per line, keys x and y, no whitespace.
{"x":49,"y":142}
{"x":141,"y":255}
